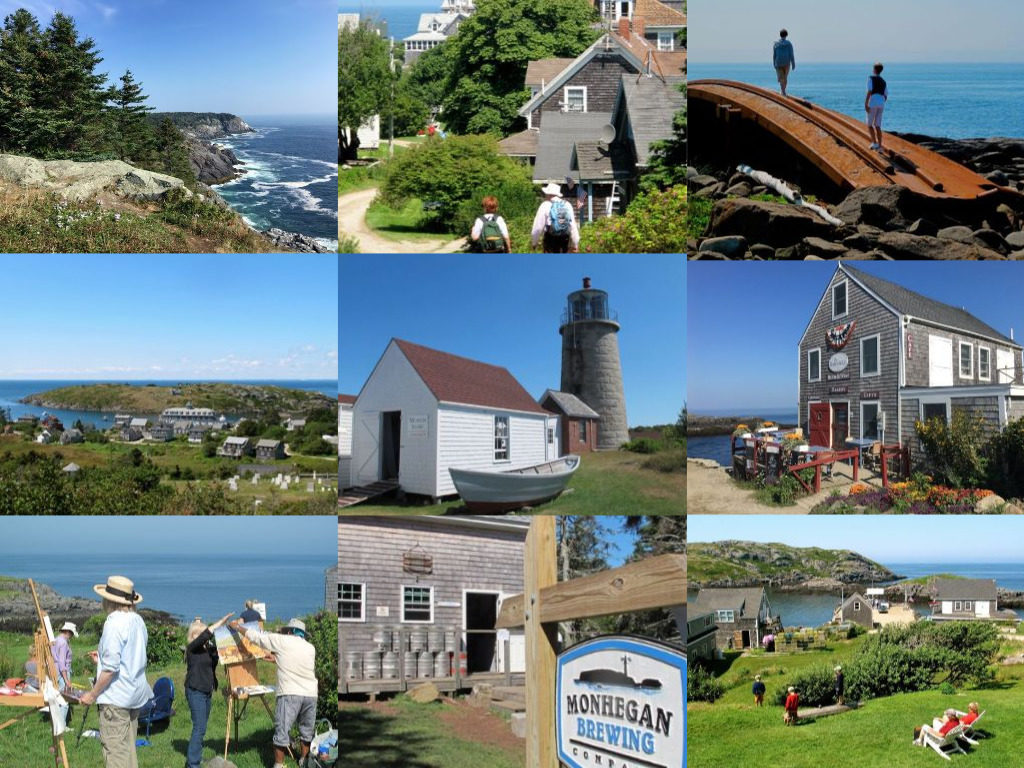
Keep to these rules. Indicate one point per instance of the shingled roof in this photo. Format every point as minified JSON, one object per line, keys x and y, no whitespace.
{"x":522,"y":144}
{"x":543,"y":71}
{"x":745,"y":601}
{"x":568,"y":404}
{"x":908,"y":302}
{"x":657,"y":14}
{"x":454,"y":379}
{"x":965,"y":589}
{"x":596,"y":161}
{"x":346,"y":399}
{"x":651,"y":104}
{"x":561,"y":131}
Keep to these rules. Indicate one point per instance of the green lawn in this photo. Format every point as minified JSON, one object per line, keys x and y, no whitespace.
{"x":405,"y":223}
{"x":408,"y":735}
{"x":734,"y":732}
{"x":607,"y":483}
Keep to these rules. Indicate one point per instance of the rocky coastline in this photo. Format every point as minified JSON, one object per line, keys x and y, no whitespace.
{"x":884,"y":223}
{"x":18,"y":612}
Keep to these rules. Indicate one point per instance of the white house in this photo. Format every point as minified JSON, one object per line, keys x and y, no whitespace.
{"x":422,"y":411}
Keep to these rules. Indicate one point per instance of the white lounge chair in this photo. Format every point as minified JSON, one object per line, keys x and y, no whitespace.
{"x":945,"y":746}
{"x":970,"y":729}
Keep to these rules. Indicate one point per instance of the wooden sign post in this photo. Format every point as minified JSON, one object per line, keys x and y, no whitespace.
{"x":46,"y":669}
{"x":657,"y":582}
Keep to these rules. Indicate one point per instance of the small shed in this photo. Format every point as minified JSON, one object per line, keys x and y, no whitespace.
{"x":854,"y":609}
{"x":295,"y":424}
{"x":71,"y":436}
{"x":422,"y":411}
{"x":270,"y":449}
{"x":236,"y":447}
{"x":742,"y":615}
{"x":577,"y":421}
{"x":964,"y":599}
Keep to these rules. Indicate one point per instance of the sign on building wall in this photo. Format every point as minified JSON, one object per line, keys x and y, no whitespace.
{"x":621,"y":702}
{"x":417,"y":426}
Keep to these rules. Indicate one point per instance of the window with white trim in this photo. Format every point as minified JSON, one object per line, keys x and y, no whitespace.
{"x":957,"y":606}
{"x":726,"y":616}
{"x":935,"y":410}
{"x":968,"y":605}
{"x":814,"y":364}
{"x":869,"y":362}
{"x":966,"y":356}
{"x":501,"y":438}
{"x":575,"y":98}
{"x":666,"y":41}
{"x":839,"y":299}
{"x":351,"y":601}
{"x":856,"y":605}
{"x":583,"y":430}
{"x":984,"y":363}
{"x":417,"y":605}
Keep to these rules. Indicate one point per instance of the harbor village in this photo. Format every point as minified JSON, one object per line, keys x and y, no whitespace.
{"x":430,"y":427}
{"x":905,"y":404}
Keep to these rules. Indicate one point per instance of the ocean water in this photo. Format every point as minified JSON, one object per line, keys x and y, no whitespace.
{"x":952,"y":100}
{"x":400,"y":20}
{"x":188,"y":585}
{"x":12,"y":390}
{"x":717,"y":446}
{"x":291,"y":178}
{"x":1007,"y":575}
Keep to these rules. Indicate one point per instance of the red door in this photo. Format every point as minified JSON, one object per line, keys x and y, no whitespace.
{"x":820,"y":428}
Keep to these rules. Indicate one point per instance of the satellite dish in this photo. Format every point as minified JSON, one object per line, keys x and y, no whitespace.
{"x":607,"y":133}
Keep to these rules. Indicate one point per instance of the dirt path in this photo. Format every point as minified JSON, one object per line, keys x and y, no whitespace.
{"x":710,"y":491}
{"x":352,"y":222}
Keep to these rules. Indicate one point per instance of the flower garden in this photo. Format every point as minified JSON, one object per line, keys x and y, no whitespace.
{"x":916,"y":496}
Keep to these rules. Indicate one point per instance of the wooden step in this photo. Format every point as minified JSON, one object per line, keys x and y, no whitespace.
{"x":509,"y":706}
{"x":362,"y":493}
{"x":509,"y":693}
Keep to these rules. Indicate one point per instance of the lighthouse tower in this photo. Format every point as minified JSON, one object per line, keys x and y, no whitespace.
{"x":590,"y":362}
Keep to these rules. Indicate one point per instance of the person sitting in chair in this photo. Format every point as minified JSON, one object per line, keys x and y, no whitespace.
{"x":968,"y":717}
{"x":938,"y":728}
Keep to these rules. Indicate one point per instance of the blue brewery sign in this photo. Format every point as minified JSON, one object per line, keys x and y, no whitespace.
{"x":621,"y":704}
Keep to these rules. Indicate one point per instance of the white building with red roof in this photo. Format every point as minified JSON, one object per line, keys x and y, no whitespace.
{"x":422,"y":411}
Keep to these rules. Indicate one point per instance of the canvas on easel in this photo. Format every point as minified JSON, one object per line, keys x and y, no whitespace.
{"x":48,"y":696}
{"x":238,"y":657}
{"x":234,"y":648}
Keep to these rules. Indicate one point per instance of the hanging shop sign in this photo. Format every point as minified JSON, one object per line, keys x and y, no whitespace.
{"x":838,"y":337}
{"x":621,"y":701}
{"x":843,"y":390}
{"x":838,"y":362}
{"x":871,"y":394}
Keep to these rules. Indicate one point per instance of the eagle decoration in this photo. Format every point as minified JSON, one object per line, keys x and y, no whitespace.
{"x":838,"y":337}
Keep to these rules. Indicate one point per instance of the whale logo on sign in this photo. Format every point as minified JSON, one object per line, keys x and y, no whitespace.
{"x":622,"y":704}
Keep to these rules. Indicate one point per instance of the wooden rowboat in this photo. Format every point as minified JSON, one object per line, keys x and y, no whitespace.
{"x":484,"y":491}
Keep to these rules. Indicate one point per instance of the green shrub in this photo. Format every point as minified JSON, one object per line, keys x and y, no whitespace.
{"x":947,"y":689}
{"x":348,"y":244}
{"x":672,"y":460}
{"x":701,"y":684}
{"x":855,"y":630}
{"x":655,"y":222}
{"x":322,"y":632}
{"x":93,"y":626}
{"x":517,"y":200}
{"x":814,"y":684}
{"x":165,"y":645}
{"x":1005,"y":451}
{"x":953,"y":451}
{"x":642,"y":445}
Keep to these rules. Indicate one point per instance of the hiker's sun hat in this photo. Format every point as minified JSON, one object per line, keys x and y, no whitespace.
{"x":69,"y":626}
{"x":296,"y":625}
{"x":791,"y":689}
{"x":118,"y":589}
{"x":551,"y":189}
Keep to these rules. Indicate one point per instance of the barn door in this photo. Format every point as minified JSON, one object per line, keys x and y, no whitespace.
{"x":366,"y":449}
{"x":820,"y":427}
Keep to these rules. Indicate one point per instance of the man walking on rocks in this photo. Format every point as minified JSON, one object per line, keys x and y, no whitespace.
{"x":783,"y":58}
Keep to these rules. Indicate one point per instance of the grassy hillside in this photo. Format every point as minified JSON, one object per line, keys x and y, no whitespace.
{"x":751,"y":563}
{"x":33,"y":221}
{"x":224,"y":397}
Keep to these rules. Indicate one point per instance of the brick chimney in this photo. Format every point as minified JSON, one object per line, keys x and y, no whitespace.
{"x":624,"y":28}
{"x":639,"y":26}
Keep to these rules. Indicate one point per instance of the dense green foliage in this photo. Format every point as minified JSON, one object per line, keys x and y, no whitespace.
{"x":486,"y":59}
{"x":446,"y":173}
{"x":409,"y":110}
{"x":365,"y":79}
{"x":322,"y":632}
{"x":1006,"y":461}
{"x":171,"y":156}
{"x":655,"y":222}
{"x":701,"y":684}
{"x":953,"y":451}
{"x":165,"y":644}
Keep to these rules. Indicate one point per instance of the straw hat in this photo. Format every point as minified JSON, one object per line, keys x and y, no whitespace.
{"x":551,"y":188}
{"x":69,"y":626}
{"x":118,"y":589}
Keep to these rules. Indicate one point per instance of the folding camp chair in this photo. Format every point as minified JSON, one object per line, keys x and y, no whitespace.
{"x":161,"y":706}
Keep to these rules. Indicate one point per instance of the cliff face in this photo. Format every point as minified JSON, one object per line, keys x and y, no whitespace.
{"x":204,"y":125}
{"x":748,"y":564}
{"x":211,"y":164}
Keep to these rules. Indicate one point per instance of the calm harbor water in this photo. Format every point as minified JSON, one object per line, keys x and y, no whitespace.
{"x":956,"y":101}
{"x":717,"y":446}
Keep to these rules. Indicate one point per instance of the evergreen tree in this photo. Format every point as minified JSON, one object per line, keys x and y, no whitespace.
{"x":131,"y":135}
{"x":582,"y":550}
{"x":20,"y":43}
{"x":171,"y":153}
{"x":656,"y":535}
{"x":69,"y":93}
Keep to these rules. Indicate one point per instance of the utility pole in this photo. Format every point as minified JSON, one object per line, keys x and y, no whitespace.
{"x":391,"y":71}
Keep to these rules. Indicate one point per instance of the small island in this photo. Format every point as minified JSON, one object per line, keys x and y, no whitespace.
{"x":236,"y":399}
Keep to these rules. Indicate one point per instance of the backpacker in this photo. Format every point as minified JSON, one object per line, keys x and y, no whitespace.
{"x":559,"y":218}
{"x":491,"y":239}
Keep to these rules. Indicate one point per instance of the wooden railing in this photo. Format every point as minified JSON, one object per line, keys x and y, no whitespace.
{"x":825,"y":458}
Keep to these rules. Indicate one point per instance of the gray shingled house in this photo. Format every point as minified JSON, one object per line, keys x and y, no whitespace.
{"x":270,"y":449}
{"x":742,"y":615}
{"x":700,"y":636}
{"x":236,"y":447}
{"x":854,"y":609}
{"x":964,"y":599}
{"x":418,"y":596}
{"x":875,"y":357}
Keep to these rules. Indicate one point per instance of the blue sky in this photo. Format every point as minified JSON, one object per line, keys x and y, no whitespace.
{"x":193,"y":316}
{"x":746,"y":319}
{"x":258,"y":57}
{"x":309,"y":536}
{"x":506,"y":311}
{"x":857,"y":30}
{"x":892,"y":538}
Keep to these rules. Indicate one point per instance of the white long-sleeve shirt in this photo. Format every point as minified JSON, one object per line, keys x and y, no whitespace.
{"x":122,"y":650}
{"x":540,"y":223}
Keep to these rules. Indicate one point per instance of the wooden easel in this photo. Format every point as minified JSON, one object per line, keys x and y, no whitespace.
{"x":241,"y":675}
{"x":46,"y":669}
